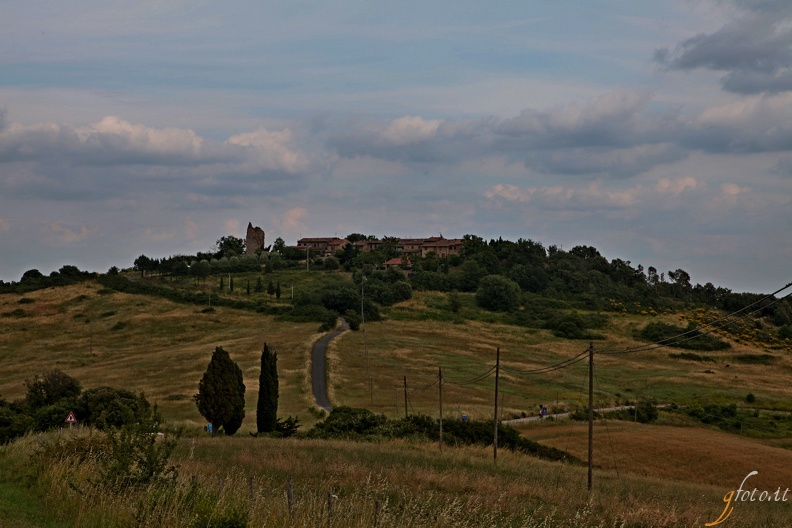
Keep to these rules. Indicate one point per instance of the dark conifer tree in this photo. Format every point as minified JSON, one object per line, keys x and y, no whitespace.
{"x":221,"y":393}
{"x":267,"y":408}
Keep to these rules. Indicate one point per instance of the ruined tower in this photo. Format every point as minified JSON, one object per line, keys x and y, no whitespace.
{"x":254,"y":240}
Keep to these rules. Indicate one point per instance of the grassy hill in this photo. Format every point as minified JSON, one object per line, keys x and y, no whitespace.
{"x":673,"y":473}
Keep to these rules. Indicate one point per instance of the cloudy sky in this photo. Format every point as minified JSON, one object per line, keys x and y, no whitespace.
{"x":658,"y":132}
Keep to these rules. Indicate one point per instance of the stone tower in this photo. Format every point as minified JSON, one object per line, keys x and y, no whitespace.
{"x":254,"y":240}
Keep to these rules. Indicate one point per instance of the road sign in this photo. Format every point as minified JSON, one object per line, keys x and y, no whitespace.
{"x":71,"y":419}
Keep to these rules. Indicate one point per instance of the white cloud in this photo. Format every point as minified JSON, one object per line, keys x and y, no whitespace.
{"x":271,"y":150}
{"x":410,"y":129}
{"x":676,"y":186}
{"x":64,"y":233}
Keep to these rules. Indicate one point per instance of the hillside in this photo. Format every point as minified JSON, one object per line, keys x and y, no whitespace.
{"x":147,"y":343}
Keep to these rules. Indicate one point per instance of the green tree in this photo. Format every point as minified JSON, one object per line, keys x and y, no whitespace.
{"x":229,"y":246}
{"x":105,"y":407}
{"x":231,"y":283}
{"x":267,"y":408}
{"x":278,"y":291}
{"x":221,"y":393}
{"x":222,"y":282}
{"x":143,"y":264}
{"x":497,"y":293}
{"x":259,"y":286}
{"x":49,"y":388}
{"x":270,"y":289}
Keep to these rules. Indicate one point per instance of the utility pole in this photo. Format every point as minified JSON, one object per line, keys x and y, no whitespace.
{"x":495,"y":418}
{"x":591,"y":415}
{"x":363,"y":322}
{"x":405,"y":396}
{"x":440,"y":385}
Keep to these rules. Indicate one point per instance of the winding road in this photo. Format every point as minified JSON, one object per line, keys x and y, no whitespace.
{"x":319,"y":367}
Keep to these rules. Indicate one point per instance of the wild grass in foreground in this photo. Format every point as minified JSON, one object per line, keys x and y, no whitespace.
{"x":232,"y":482}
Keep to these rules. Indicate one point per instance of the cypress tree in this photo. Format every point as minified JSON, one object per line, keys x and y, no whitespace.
{"x":270,"y":288}
{"x":277,"y":291}
{"x":221,"y":393}
{"x":231,"y":283}
{"x":267,"y":408}
{"x":259,"y":287}
{"x":222,"y":283}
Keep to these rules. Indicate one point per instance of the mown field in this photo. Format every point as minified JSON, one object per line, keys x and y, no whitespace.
{"x":672,"y":473}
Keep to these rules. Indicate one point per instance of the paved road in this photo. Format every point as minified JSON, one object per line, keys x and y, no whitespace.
{"x":565,"y":415}
{"x":319,"y":367}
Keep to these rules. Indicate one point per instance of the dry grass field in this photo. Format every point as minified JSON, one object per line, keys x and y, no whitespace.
{"x":416,"y":348}
{"x":685,"y":454}
{"x":147,"y":344}
{"x":647,"y":475}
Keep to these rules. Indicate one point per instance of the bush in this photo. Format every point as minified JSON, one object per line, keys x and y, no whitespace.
{"x":646,"y":411}
{"x":105,"y":407}
{"x":138,"y":453}
{"x":575,"y":326}
{"x":671,"y":335}
{"x":362,"y":424}
{"x":497,"y":293}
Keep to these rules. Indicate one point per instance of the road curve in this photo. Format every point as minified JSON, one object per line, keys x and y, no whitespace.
{"x":319,"y":367}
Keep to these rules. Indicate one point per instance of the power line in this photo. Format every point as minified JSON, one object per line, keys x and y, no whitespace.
{"x":542,"y":370}
{"x":471,"y":380}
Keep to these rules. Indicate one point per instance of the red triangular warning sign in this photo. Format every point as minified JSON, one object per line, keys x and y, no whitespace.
{"x":71,"y":419}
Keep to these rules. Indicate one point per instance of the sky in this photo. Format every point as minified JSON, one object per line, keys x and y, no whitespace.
{"x":658,"y":132}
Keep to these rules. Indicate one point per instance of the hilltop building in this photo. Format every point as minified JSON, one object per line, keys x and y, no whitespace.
{"x":254,"y":240}
{"x":441,"y":247}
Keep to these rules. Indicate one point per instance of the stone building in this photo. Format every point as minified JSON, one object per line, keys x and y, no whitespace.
{"x":254,"y":240}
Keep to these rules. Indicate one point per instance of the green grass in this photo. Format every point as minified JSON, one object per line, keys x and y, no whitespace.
{"x":21,"y":506}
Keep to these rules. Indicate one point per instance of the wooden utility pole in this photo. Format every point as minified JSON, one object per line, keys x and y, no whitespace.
{"x":405,"y":396}
{"x":495,"y":418}
{"x":591,"y":415}
{"x":440,"y":385}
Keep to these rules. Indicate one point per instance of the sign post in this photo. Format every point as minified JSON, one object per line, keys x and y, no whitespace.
{"x":71,"y":419}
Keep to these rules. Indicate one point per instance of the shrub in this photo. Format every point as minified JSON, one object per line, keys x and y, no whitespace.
{"x":690,"y":356}
{"x":646,"y":411}
{"x":105,"y":407}
{"x":688,"y":338}
{"x":756,"y":359}
{"x":49,"y":388}
{"x":497,"y":293}
{"x":138,"y":454}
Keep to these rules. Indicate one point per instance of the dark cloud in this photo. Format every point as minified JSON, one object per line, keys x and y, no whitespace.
{"x":755,"y":50}
{"x":613,"y":135}
{"x":118,"y":158}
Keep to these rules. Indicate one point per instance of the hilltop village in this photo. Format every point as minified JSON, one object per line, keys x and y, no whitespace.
{"x":327,"y":246}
